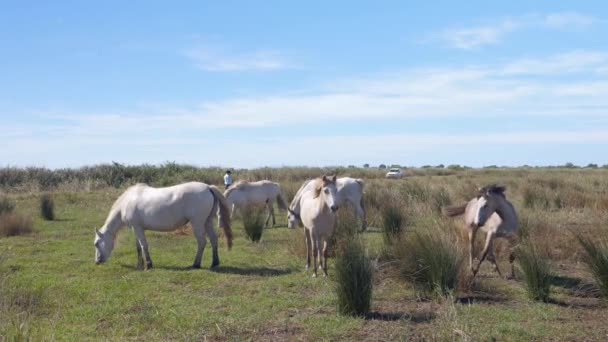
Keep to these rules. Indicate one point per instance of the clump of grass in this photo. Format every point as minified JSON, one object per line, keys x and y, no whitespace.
{"x":431,"y":261}
{"x":6,"y":205}
{"x":536,"y":272}
{"x":253,"y":222}
{"x":596,"y":258}
{"x":441,"y":198}
{"x":354,"y":279}
{"x":346,"y":228}
{"x":47,"y":207}
{"x":393,"y":222}
{"x":13,"y":224}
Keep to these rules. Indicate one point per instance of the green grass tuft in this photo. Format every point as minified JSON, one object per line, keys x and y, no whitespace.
{"x":393,"y":222}
{"x":6,"y":205}
{"x":431,"y":261}
{"x":253,"y":222}
{"x":14,"y":224}
{"x":354,"y":279}
{"x":596,"y":258}
{"x":536,"y":272}
{"x":47,"y":207}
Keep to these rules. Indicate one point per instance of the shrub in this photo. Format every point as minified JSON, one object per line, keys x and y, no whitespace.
{"x":13,"y":224}
{"x":47,"y":207}
{"x":253,"y":222}
{"x":596,"y":258}
{"x":536,"y":271}
{"x":354,"y":279}
{"x":431,"y":261}
{"x":6,"y":205}
{"x":392,"y":222}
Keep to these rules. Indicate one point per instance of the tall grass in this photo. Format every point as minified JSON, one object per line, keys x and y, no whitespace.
{"x":47,"y":207}
{"x":431,"y":260}
{"x":253,"y":221}
{"x":393,"y":221}
{"x":596,"y":258}
{"x":6,"y":205}
{"x":346,"y":228}
{"x":536,"y":271}
{"x":13,"y":224}
{"x":354,"y":279}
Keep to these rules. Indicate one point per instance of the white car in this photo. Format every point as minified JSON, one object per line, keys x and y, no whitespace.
{"x":394,"y":173}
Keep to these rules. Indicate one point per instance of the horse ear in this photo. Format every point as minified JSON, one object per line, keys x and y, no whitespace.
{"x":333,"y":179}
{"x":98,"y":233}
{"x":324,"y":178}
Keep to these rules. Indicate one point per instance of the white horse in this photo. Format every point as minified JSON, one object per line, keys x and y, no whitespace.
{"x":263,"y":192}
{"x":491,"y":212}
{"x":350,"y":190}
{"x":142,"y":207}
{"x":318,"y":215}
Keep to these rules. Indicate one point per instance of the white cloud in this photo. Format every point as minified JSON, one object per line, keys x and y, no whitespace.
{"x":574,"y":61}
{"x":218,"y":60}
{"x":512,"y":88}
{"x":568,"y":20}
{"x":477,"y":36}
{"x":473,"y":37}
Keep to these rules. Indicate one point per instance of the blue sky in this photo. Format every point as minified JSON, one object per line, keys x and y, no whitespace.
{"x":272,"y":83}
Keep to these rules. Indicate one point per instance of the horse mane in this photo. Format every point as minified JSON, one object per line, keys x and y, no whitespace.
{"x":493,"y":189}
{"x":318,"y":183}
{"x":237,"y":186}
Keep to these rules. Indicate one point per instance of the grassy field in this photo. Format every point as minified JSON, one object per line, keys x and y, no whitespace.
{"x":50,"y":287}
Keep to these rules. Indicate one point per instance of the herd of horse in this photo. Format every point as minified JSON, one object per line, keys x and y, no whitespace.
{"x":314,"y":206}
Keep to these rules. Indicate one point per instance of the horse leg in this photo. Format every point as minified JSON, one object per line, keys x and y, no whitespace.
{"x":492,"y":258}
{"x":199,"y":234}
{"x":267,"y":217}
{"x":271,"y":209}
{"x":361,"y":213}
{"x":513,"y":242}
{"x":140,"y":259}
{"x":484,"y":253}
{"x":308,"y":247}
{"x":213,"y":238}
{"x":325,"y":256}
{"x":472,"y":233}
{"x":315,"y":254}
{"x":141,"y":239}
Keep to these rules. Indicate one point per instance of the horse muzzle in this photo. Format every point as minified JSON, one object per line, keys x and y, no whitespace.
{"x":334,"y":208}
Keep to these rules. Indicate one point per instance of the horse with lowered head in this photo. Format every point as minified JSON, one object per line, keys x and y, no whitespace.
{"x":491,"y":212}
{"x":318,"y":214}
{"x":142,"y":207}
{"x":350,"y":190}
{"x":262,"y":192}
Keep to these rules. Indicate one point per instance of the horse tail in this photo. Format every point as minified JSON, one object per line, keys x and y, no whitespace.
{"x":281,"y":201}
{"x":454,"y":210}
{"x":224,"y":216}
{"x":360,"y":182}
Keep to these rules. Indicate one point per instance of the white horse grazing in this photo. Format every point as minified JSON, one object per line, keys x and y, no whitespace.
{"x":260,"y":192}
{"x":491,"y":212}
{"x":142,"y":207}
{"x":318,"y":215}
{"x":350,"y":190}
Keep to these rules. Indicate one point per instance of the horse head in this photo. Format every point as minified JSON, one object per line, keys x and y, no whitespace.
{"x":328,"y":191}
{"x":487,"y":202}
{"x":103,"y":247}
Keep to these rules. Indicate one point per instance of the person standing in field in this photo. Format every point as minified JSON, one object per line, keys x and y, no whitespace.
{"x":227,"y":179}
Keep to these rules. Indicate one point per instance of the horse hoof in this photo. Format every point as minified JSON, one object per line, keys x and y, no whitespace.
{"x":194,"y":266}
{"x":215,"y":264}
